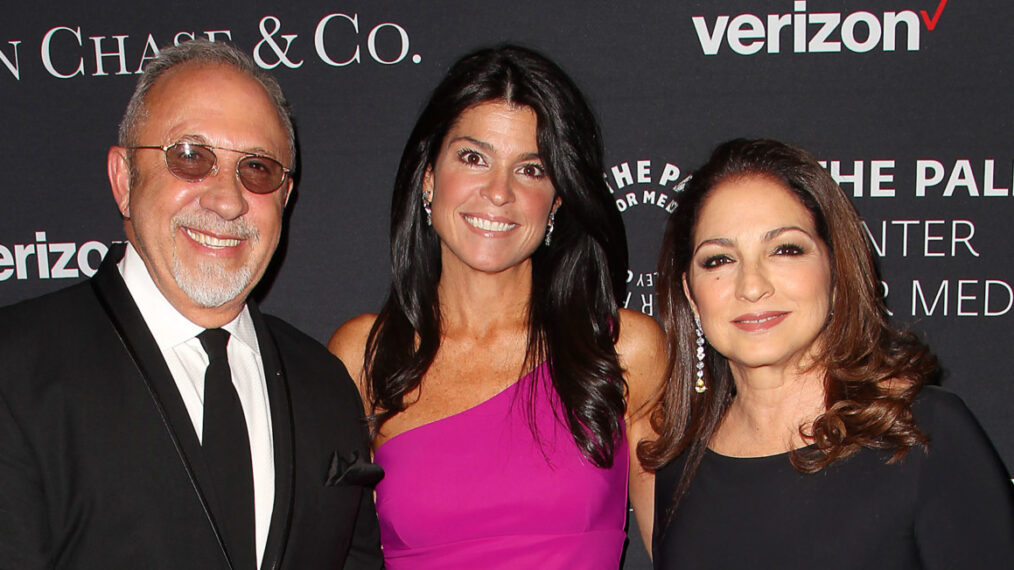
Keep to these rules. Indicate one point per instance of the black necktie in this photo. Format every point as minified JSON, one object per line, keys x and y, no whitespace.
{"x":227,"y":453}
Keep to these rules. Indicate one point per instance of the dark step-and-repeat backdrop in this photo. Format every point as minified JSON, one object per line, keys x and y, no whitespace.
{"x":909,"y":102}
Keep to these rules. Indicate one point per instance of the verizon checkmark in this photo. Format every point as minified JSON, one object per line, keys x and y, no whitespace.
{"x":931,"y":23}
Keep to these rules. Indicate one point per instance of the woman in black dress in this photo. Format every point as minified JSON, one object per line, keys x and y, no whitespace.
{"x":796,"y":430}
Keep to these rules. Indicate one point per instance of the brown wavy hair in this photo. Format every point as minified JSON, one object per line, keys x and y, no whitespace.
{"x":872,"y":371}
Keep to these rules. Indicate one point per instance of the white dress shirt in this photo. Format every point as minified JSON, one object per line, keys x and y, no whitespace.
{"x":177,"y":339}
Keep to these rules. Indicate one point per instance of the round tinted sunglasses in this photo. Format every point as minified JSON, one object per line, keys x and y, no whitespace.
{"x":194,"y":162}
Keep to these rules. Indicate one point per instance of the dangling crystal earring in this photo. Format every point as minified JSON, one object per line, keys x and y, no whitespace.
{"x":549,"y":227}
{"x":699,"y":386}
{"x":427,"y":207}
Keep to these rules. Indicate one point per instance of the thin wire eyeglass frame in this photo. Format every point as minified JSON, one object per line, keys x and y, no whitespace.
{"x":213,"y":169}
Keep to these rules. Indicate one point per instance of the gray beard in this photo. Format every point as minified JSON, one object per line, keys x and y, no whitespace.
{"x":209,"y":284}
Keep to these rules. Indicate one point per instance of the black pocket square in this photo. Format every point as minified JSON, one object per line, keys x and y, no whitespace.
{"x":352,"y":469}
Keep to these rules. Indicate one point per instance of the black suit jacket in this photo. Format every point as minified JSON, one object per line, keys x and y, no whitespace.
{"x":100,"y":466}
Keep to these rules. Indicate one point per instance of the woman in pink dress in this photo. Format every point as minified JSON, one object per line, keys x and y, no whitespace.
{"x":506,"y":388}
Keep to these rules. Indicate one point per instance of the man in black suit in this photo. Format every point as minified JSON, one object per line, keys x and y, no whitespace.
{"x":152,"y":417}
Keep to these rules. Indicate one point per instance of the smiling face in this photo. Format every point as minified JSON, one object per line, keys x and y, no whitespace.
{"x":206,"y":243}
{"x":491,"y":196}
{"x":760,"y":275}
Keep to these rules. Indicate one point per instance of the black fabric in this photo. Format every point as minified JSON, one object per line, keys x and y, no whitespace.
{"x":949,"y":507}
{"x":226,"y":447}
{"x":100,"y":465}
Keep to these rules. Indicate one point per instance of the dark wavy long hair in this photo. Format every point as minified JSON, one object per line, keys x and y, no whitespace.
{"x":576,"y":282}
{"x":872,"y":371}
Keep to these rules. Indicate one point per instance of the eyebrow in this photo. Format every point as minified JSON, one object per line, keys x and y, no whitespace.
{"x":779,"y":231}
{"x":713,"y":241}
{"x":482,"y":144}
{"x":200,"y":139}
{"x":768,"y":236}
{"x":489,"y":147}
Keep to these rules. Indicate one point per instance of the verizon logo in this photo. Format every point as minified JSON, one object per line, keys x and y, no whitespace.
{"x":816,"y":32}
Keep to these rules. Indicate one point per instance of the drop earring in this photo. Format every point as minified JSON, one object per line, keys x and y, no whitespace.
{"x":549,"y":227}
{"x":699,"y":386}
{"x":427,"y":206}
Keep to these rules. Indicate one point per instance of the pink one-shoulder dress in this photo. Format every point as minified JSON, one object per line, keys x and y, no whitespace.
{"x":477,"y":490}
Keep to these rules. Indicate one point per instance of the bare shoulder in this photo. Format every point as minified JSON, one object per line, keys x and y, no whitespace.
{"x":348,"y":343}
{"x":642,"y":354}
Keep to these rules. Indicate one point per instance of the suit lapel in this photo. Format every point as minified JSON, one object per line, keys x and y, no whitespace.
{"x":140,"y":345}
{"x":282,"y":430}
